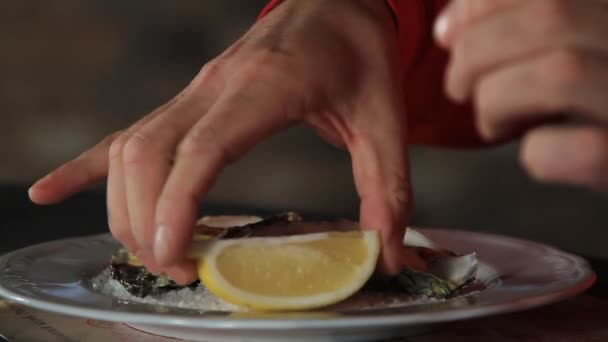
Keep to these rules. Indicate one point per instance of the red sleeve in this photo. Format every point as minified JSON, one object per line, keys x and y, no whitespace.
{"x":432,"y":118}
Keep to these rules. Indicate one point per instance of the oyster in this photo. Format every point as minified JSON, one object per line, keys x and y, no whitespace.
{"x":446,"y":272}
{"x":135,"y":278}
{"x":443,"y":279}
{"x":138,"y":281}
{"x":443,"y":274}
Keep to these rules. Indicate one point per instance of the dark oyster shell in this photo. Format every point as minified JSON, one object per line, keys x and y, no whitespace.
{"x":135,"y":278}
{"x":447,"y":272}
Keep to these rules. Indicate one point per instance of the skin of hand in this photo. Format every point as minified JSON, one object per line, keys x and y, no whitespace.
{"x":537,"y":68}
{"x":302,"y":63}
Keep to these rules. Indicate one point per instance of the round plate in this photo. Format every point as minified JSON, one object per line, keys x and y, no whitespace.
{"x":518,"y":275}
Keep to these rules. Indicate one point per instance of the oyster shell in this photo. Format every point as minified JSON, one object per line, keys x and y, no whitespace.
{"x":414,"y":238}
{"x":445,"y":272}
{"x":457,"y":270}
{"x":135,"y":278}
{"x":138,"y":281}
{"x":443,"y":279}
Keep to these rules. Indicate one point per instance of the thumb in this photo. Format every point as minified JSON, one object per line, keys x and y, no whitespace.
{"x":380,"y":164}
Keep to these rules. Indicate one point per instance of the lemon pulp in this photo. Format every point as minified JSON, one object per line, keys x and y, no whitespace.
{"x":289,"y":273}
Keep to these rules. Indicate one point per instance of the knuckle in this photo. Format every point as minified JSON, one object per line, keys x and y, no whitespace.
{"x":201,"y":140}
{"x":212,"y":67}
{"x":209,"y":71}
{"x":401,"y":196}
{"x":117,"y":145}
{"x":400,"y":191}
{"x":110,"y":138}
{"x":566,"y":68}
{"x":137,"y":149}
{"x":188,"y":147}
{"x":553,"y":17}
{"x":267,"y":67}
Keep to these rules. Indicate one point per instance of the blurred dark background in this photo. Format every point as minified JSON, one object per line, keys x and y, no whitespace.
{"x":74,"y":71}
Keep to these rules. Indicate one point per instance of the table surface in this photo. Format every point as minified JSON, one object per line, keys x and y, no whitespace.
{"x":581,"y":318}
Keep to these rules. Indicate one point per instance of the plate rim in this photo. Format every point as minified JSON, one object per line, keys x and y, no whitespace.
{"x":338,"y":322}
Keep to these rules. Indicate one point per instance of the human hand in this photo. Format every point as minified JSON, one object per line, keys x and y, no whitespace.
{"x":527,"y":63}
{"x":328,"y":64}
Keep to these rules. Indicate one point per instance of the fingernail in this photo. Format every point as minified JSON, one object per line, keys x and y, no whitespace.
{"x":161,"y":245}
{"x":36,"y":185}
{"x":443,"y":23}
{"x":33,"y":191}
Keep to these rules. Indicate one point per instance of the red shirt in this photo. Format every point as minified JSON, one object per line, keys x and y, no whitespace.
{"x":432,"y":118}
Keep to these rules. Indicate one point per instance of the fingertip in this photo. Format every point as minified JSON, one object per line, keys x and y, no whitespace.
{"x":54,"y":187}
{"x":148,"y":260}
{"x":458,"y":95}
{"x":443,"y":28}
{"x":387,"y":267}
{"x":175,"y":221}
{"x":545,"y":150}
{"x":486,"y":127}
{"x":32,"y":194}
{"x":391,"y":262}
{"x":486,"y":133}
{"x":388,"y":215}
{"x":440,"y":31}
{"x":377,"y":215}
{"x":183,"y":273}
{"x":38,"y":194}
{"x":453,"y":86}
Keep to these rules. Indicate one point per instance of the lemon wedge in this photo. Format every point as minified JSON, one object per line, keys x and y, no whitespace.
{"x":288,"y":273}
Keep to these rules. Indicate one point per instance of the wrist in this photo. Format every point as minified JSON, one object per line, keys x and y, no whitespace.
{"x":376,"y":10}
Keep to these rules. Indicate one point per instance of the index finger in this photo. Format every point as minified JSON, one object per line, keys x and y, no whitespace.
{"x":85,"y":170}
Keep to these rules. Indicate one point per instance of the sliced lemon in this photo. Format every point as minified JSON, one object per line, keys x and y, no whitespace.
{"x":288,"y":273}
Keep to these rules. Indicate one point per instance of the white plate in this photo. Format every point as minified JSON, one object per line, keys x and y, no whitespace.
{"x":518,"y":275}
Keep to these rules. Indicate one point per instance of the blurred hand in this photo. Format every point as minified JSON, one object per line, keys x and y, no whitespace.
{"x":329,"y":64}
{"x":527,"y":63}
